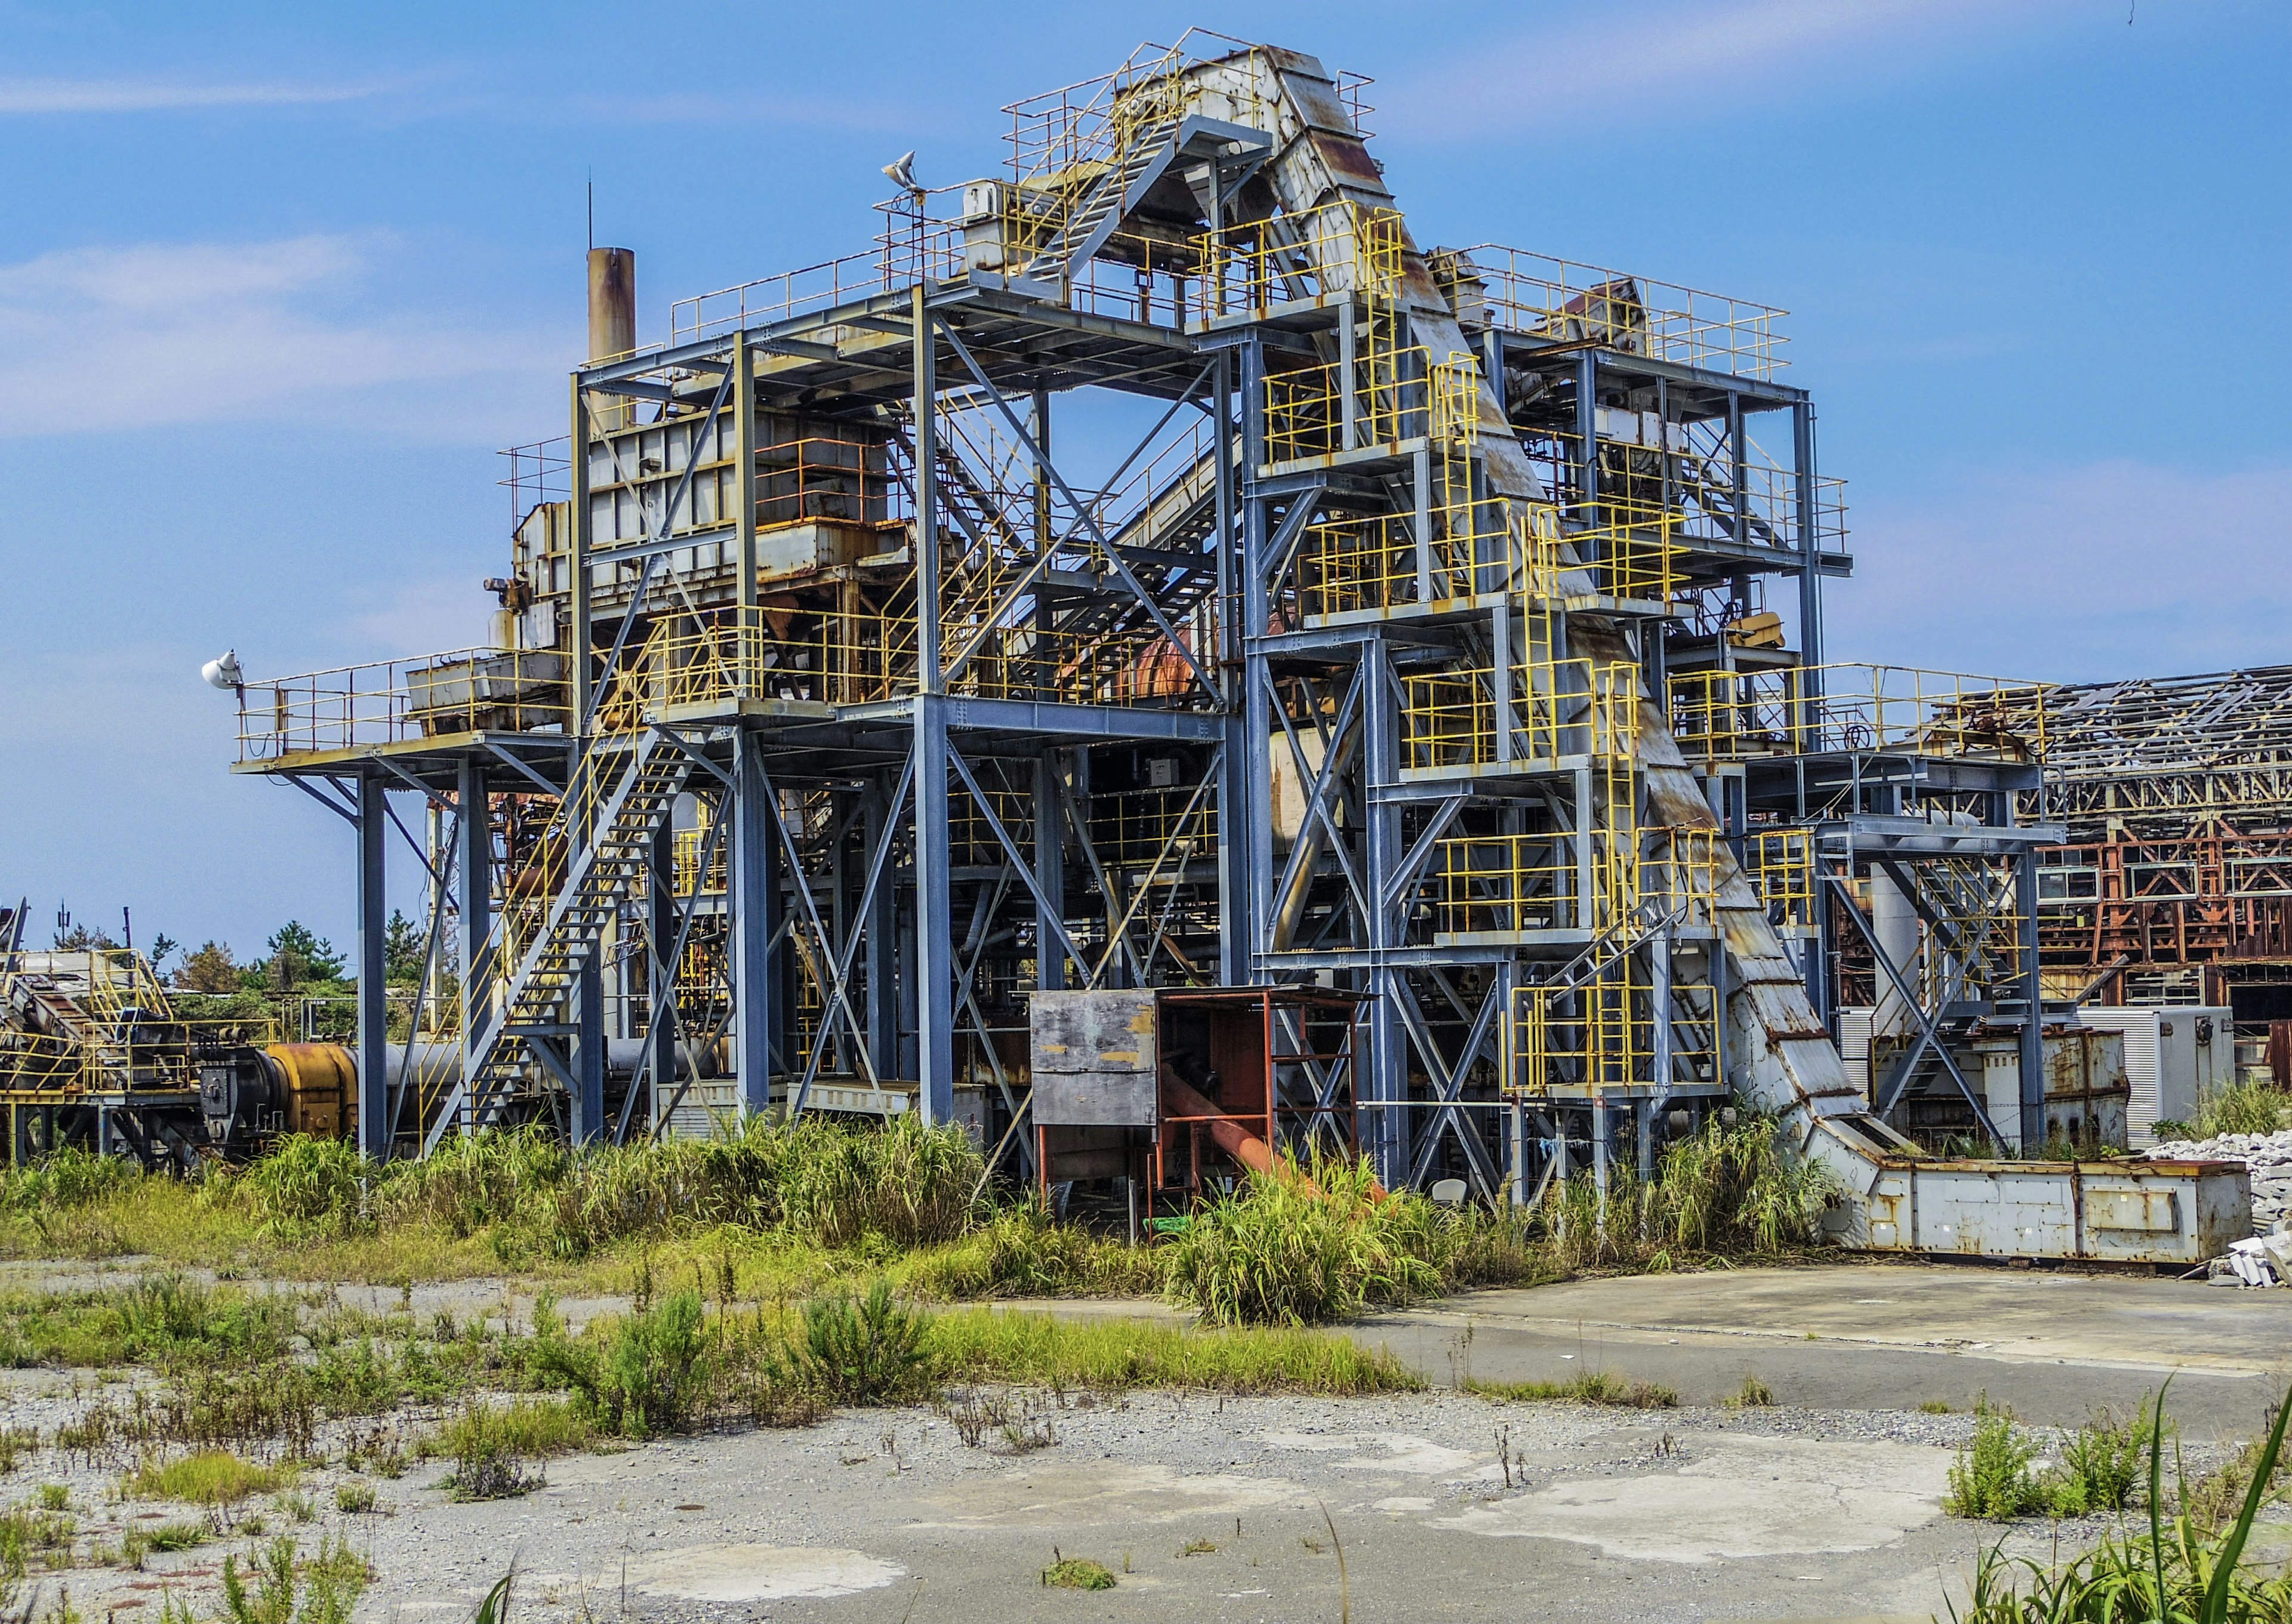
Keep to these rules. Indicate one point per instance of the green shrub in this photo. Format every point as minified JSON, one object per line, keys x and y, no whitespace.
{"x":287,"y":1589}
{"x":1078,"y":1574}
{"x":524,"y":1427}
{"x":868,"y":1352}
{"x":1290,"y":1250}
{"x":2099,"y":1467}
{"x":649,"y":1377}
{"x":2182,"y":1569}
{"x":306,"y":1186}
{"x":65,"y":1178}
{"x":906,"y":1183}
{"x":2241,"y":1108}
{"x":210,"y":1477}
{"x":1991,"y":1477}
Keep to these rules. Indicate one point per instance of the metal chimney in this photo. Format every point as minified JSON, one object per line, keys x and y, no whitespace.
{"x":612,"y":301}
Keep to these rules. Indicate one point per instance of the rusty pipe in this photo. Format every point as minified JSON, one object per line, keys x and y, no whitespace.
{"x":1228,"y":1134}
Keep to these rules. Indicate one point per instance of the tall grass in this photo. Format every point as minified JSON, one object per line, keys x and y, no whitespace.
{"x":1281,"y":1251}
{"x":2241,"y":1108}
{"x":2185,"y":1569}
{"x":1292,"y":1250}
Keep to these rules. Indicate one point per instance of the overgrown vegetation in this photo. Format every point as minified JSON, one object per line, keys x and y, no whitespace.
{"x":1077,"y":1573}
{"x":1307,"y":1248}
{"x":2188,"y":1568}
{"x":2241,"y":1108}
{"x":1592,"y":1388}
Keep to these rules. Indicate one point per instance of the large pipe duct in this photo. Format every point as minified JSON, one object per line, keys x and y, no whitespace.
{"x":1227,"y":1133}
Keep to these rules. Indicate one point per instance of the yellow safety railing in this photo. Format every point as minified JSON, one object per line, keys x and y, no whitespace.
{"x":1627,"y":555}
{"x":144,"y":1055}
{"x":1683,"y":870}
{"x":1780,"y":863}
{"x":1136,"y":826}
{"x":1372,"y":562}
{"x":513,"y":690}
{"x":1570,"y":303}
{"x":1516,"y":885}
{"x":1801,"y":710}
{"x":1304,"y":408}
{"x":690,"y":881}
{"x":1559,"y":709}
{"x":1337,"y":249}
{"x":120,"y":980}
{"x":1603,"y":1034}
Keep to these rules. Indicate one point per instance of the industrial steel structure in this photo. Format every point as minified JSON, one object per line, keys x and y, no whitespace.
{"x":1444,"y":630}
{"x":2176,"y":886}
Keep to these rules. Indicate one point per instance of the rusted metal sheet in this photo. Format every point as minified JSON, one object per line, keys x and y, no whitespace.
{"x":2176,"y":1213}
{"x":1093,"y":1055}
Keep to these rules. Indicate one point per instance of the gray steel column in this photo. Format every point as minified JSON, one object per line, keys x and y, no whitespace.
{"x":927,"y":605}
{"x":1388,"y":1124}
{"x":1253,"y":830}
{"x":2033,"y":1034}
{"x":373,"y":996}
{"x":475,"y":861}
{"x":583,"y":629}
{"x":1238,"y":920}
{"x":935,"y":922}
{"x":660,"y":969}
{"x":1810,"y":583}
{"x":587,"y":1108}
{"x":1050,"y":874}
{"x":880,"y":933}
{"x":754,"y":887}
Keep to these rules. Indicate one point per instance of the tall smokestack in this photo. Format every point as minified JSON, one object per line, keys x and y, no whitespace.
{"x":612,"y":301}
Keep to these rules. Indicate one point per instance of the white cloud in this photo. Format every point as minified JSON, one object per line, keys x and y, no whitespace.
{"x":23,"y":97}
{"x":160,"y":333}
{"x":2113,"y":568}
{"x":1612,"y":74}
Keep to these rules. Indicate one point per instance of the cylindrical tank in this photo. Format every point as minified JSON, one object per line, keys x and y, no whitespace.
{"x":1894,"y":927}
{"x":612,"y":302}
{"x":319,"y":1085}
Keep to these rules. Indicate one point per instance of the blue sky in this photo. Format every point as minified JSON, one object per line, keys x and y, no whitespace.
{"x":276,"y":281}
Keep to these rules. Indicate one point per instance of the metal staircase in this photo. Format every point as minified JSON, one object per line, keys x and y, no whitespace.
{"x":602,"y":876}
{"x":1080,"y":235}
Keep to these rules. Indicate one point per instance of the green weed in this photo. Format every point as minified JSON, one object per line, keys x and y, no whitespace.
{"x":289,"y":1588}
{"x":2183,"y":1570}
{"x":210,"y":1477}
{"x":1592,"y":1388}
{"x":2241,"y":1108}
{"x":1077,"y":1573}
{"x":869,"y":1351}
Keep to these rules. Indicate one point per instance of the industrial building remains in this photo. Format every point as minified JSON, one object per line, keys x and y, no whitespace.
{"x":1152,"y":661}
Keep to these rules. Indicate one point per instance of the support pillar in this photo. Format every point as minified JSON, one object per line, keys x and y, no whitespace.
{"x":586,"y":1110}
{"x":661,"y":973}
{"x":1050,"y":874}
{"x":754,"y":900}
{"x":2033,"y":1033}
{"x":474,"y":865}
{"x":1389,"y":1126}
{"x":879,"y":933}
{"x":934,"y":922}
{"x":373,"y":996}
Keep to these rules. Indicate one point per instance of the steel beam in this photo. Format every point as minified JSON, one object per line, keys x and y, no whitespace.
{"x":755,"y":888}
{"x":934,"y":957}
{"x":373,"y":993}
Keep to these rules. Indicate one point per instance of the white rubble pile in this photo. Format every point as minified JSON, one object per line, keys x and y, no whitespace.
{"x":2268,"y":1158}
